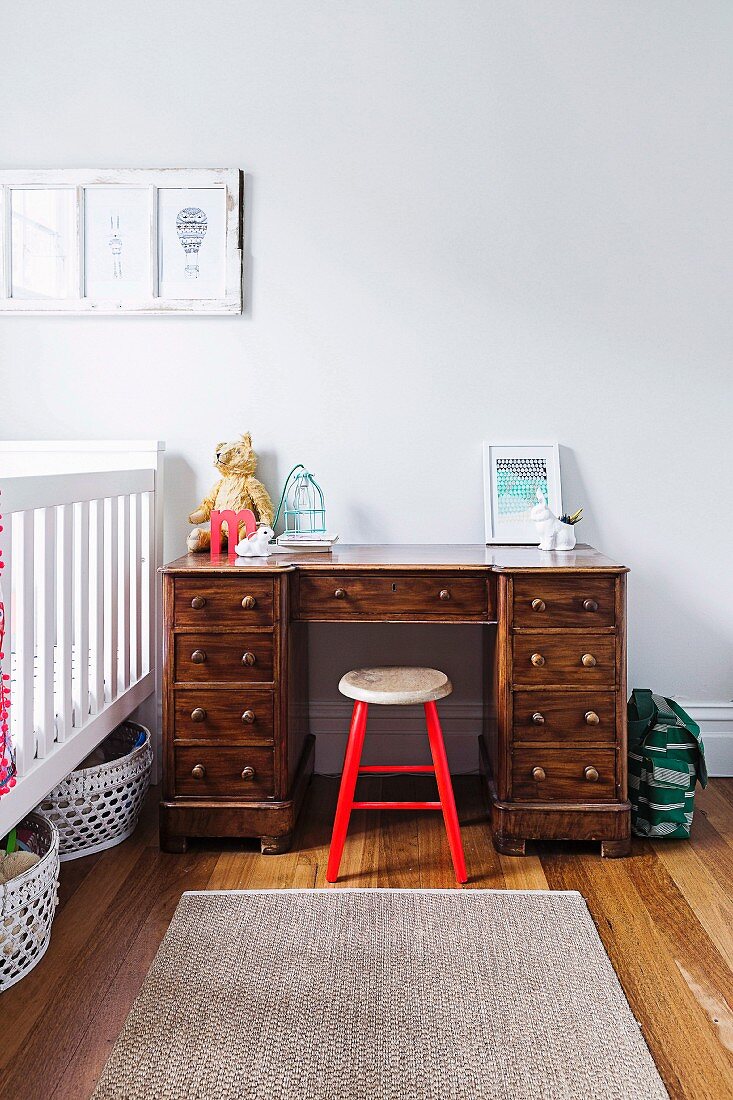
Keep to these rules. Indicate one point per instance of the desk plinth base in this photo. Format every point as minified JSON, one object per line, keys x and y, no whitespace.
{"x":514,"y":823}
{"x":272,"y":822}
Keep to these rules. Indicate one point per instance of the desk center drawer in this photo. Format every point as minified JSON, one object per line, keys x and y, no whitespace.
{"x":243,"y":658}
{"x":393,"y":597}
{"x":238,"y":602}
{"x":577,"y":659}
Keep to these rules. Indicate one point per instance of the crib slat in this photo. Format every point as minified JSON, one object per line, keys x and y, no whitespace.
{"x":150,"y":558}
{"x":96,"y":606}
{"x":6,"y":577}
{"x":81,"y":614}
{"x":65,"y":618}
{"x":137,"y":584}
{"x":22,"y":727}
{"x":124,"y":617}
{"x":111,"y":596}
{"x":45,"y":630}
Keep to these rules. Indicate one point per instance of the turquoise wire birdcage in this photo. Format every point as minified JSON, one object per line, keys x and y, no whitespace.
{"x":305,"y":512}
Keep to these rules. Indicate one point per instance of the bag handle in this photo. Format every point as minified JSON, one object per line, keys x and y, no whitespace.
{"x":642,"y":714}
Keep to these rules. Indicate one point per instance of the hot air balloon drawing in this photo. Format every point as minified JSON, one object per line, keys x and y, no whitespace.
{"x":191,"y":228}
{"x":115,"y":244}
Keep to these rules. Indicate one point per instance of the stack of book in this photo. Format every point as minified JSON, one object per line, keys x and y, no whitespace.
{"x":307,"y":541}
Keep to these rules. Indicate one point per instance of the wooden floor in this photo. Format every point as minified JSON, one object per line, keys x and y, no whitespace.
{"x":665,"y":916}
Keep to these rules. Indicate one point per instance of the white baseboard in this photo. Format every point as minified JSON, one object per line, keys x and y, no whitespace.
{"x":396,"y":738}
{"x":401,"y":739}
{"x":715,"y":719}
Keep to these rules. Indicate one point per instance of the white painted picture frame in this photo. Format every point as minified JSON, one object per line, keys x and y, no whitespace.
{"x":512,"y":474}
{"x":64,"y":270}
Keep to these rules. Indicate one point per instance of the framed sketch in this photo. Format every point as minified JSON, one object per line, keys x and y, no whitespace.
{"x":191,"y":242}
{"x":512,"y":476}
{"x":126,"y":241}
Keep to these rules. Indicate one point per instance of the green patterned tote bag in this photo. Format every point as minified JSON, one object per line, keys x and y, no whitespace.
{"x":666,"y":759}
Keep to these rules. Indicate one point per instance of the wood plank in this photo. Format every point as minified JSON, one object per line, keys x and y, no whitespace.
{"x":174,"y":875}
{"x":398,"y":840}
{"x":116,"y":907}
{"x":700,"y":963}
{"x":683,"y":1043}
{"x":74,"y":926}
{"x":707,"y":897}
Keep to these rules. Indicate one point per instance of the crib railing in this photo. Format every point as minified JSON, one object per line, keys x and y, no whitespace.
{"x":80,"y":649}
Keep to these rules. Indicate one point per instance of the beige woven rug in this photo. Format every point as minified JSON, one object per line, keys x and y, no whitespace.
{"x":371,"y":994}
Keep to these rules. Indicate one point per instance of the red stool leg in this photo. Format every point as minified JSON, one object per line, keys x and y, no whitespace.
{"x":445,"y":791}
{"x":349,"y":776}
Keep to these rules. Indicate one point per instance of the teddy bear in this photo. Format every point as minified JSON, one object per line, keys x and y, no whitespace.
{"x":238,"y":488}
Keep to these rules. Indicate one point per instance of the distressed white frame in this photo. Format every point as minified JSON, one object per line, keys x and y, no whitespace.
{"x":523,"y":532}
{"x":230,"y":180}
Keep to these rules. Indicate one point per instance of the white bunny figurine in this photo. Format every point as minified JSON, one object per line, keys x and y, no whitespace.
{"x":554,"y":534}
{"x":256,"y":545}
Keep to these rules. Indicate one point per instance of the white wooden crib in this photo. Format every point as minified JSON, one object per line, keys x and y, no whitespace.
{"x":82,"y":541}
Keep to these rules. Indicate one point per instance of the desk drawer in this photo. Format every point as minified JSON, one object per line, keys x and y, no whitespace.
{"x":243,"y":658}
{"x":585,"y":601}
{"x":238,"y":602}
{"x":559,"y":716}
{"x":218,"y":771}
{"x":223,"y":714}
{"x":573,"y":775}
{"x":394,"y":597}
{"x":577,"y":659}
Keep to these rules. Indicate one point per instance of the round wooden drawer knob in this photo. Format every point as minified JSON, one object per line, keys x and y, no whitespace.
{"x":591,"y":718}
{"x":198,"y":771}
{"x":198,"y":602}
{"x":590,"y":605}
{"x":444,"y":594}
{"x":538,"y":718}
{"x":198,"y":656}
{"x":539,"y":774}
{"x":591,"y":774}
{"x":248,"y":659}
{"x":538,"y":605}
{"x":198,"y":714}
{"x":537,"y":660}
{"x":340,"y":593}
{"x":248,"y":717}
{"x":249,"y":602}
{"x":588,"y":660}
{"x":248,"y":772}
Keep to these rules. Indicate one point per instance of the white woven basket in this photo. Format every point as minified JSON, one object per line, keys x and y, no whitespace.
{"x":96,"y":808}
{"x":28,"y":903}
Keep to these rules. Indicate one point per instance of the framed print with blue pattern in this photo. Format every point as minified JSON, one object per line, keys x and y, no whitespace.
{"x":512,"y":476}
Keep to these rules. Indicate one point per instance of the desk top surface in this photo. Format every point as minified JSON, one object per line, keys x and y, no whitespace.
{"x":399,"y":556}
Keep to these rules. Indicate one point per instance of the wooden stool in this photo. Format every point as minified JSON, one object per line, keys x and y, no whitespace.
{"x":395,"y":687}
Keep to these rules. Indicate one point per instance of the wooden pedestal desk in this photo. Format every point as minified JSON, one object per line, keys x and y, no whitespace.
{"x":238,"y":753}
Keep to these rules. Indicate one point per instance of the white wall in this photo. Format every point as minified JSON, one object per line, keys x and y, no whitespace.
{"x":466,"y":221}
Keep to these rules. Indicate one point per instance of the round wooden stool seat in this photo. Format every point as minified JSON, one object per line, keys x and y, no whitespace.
{"x":396,"y":685}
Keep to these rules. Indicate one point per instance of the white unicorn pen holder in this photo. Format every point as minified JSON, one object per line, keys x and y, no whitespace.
{"x":554,"y":534}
